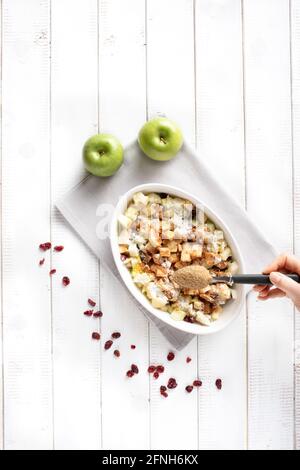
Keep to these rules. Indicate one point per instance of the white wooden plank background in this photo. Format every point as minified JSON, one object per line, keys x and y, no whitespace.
{"x":228,"y":71}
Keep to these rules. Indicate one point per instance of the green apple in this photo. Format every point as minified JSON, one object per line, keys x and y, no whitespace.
{"x":160,"y":139}
{"x":102,"y":154}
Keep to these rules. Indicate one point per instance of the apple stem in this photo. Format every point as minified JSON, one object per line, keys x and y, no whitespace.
{"x":163,"y":140}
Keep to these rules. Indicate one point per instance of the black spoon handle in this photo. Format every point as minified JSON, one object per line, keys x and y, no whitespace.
{"x":258,"y":278}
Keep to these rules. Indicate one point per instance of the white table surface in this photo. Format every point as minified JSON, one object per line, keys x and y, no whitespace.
{"x":229,"y":72}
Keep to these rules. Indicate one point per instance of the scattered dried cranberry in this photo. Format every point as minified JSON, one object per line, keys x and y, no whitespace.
{"x":65,"y":281}
{"x":53,"y":271}
{"x":170,"y":356}
{"x":189,"y":319}
{"x":116,"y":335}
{"x":41,"y":262}
{"x":133,"y":346}
{"x":98,"y":314}
{"x":219,"y":384}
{"x":117,"y":353}
{"x":129,"y":373}
{"x":172,"y":383}
{"x":197,"y":383}
{"x":160,"y":369}
{"x":163,"y":388}
{"x":58,"y":248}
{"x":91,"y":302}
{"x":108,"y":344}
{"x":189,"y":388}
{"x":188,"y":359}
{"x":96,"y":335}
{"x":88,"y":313}
{"x":134,"y":368}
{"x":123,"y":257}
{"x":156,"y":375}
{"x":151,"y":369}
{"x":164,"y":394}
{"x":45,"y":246}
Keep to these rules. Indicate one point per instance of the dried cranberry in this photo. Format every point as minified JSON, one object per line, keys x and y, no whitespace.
{"x":108,"y":344}
{"x":134,"y":368}
{"x":197,"y":383}
{"x":88,"y":313}
{"x":133,"y":346}
{"x":170,"y":356}
{"x":164,"y":394}
{"x":41,"y":262}
{"x":117,"y":353}
{"x":160,"y":369}
{"x":98,"y":314}
{"x":45,"y":246}
{"x":219,"y":384}
{"x":96,"y":335}
{"x":163,"y":388}
{"x":58,"y":248}
{"x":53,"y":271}
{"x":116,"y":335}
{"x":189,"y":388}
{"x":156,"y":375}
{"x":189,"y":319}
{"x":188,"y":359}
{"x":151,"y":369}
{"x":129,"y":373}
{"x":172,"y":383}
{"x":91,"y":302}
{"x":65,"y":281}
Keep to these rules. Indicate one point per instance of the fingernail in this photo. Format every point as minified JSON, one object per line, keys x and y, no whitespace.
{"x":275,"y":277}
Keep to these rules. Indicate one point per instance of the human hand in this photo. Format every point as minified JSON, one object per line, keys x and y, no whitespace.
{"x":282,"y":285}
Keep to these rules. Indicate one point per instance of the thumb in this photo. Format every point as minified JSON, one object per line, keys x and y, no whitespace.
{"x":287,"y":285}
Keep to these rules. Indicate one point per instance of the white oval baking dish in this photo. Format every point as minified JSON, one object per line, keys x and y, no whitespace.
{"x":231,"y":309}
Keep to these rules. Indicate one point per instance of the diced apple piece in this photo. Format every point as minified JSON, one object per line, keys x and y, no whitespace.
{"x":124,"y":221}
{"x":178,"y":315}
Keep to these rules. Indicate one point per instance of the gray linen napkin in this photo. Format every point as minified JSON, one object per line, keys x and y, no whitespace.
{"x":186,"y":171}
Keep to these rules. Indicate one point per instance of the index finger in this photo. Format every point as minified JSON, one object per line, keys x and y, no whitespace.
{"x":284,"y":261}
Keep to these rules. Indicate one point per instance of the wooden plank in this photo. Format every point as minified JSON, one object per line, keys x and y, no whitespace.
{"x":122,"y":111}
{"x":26,"y":223}
{"x":74,"y":115}
{"x":220,"y":141}
{"x":170,"y":65}
{"x":295,"y":76}
{"x":269,"y":172}
{"x":1,"y":317}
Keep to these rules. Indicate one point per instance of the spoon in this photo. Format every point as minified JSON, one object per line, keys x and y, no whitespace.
{"x":198,"y":277}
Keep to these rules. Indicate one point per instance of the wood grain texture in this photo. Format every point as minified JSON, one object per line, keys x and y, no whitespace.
{"x":295,"y":82}
{"x":170,"y":66}
{"x":26,"y":223}
{"x":269,"y":171}
{"x":220,"y":141}
{"x":122,"y":97}
{"x":74,"y":116}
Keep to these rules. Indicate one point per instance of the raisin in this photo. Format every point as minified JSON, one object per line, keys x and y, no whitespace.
{"x":58,"y":248}
{"x":41,"y":262}
{"x":88,"y":313}
{"x":134,"y":368}
{"x":98,"y":314}
{"x":96,"y":335}
{"x":188,"y":359}
{"x":65,"y":281}
{"x":117,"y":353}
{"x":160,"y":369}
{"x":116,"y":335}
{"x":197,"y":383}
{"x":151,"y":369}
{"x":91,"y":302}
{"x":189,"y":388}
{"x":53,"y":271}
{"x":108,"y":344}
{"x":219,"y":384}
{"x":172,"y":383}
{"x":170,"y":356}
{"x":45,"y":246}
